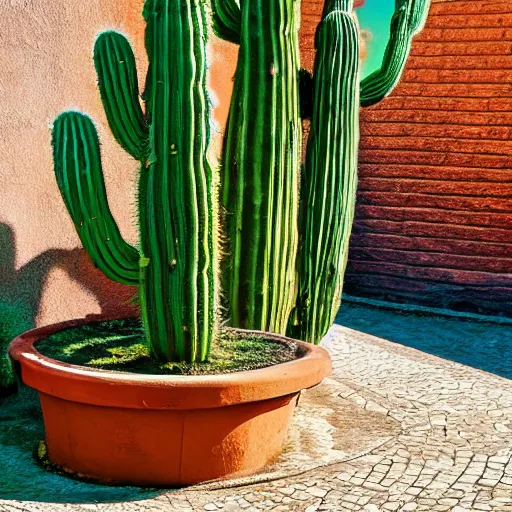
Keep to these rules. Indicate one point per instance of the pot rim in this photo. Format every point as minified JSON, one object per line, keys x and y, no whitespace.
{"x":141,"y":391}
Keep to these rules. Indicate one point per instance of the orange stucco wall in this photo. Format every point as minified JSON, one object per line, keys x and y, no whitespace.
{"x":46,"y":67}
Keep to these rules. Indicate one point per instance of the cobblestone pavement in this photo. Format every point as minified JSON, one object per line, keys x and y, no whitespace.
{"x":432,"y":435}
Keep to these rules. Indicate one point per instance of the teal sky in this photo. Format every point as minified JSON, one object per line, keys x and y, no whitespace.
{"x":375,"y":16}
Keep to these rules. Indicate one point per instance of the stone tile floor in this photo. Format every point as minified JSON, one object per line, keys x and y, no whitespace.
{"x":391,"y":429}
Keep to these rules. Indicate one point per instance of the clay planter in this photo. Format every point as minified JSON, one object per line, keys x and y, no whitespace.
{"x":164,"y":430}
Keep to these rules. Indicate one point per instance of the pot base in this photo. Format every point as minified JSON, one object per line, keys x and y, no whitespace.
{"x":168,"y":448}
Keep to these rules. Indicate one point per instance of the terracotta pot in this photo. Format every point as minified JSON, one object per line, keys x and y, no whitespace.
{"x":164,"y":430}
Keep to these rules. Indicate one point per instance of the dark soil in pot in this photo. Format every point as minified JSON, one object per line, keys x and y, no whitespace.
{"x":119,"y":345}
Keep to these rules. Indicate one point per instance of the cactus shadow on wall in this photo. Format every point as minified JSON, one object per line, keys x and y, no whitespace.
{"x":21,"y":426}
{"x":21,"y":291}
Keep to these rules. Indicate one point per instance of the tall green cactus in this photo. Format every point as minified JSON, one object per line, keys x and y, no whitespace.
{"x":261,"y":153}
{"x":330,"y":174}
{"x":173,"y":266}
{"x":261,"y":157}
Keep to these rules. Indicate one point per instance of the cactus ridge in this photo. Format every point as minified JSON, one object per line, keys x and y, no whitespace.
{"x":174,"y":265}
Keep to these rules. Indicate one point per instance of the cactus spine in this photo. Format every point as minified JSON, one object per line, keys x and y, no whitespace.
{"x":260,"y":163}
{"x":174,"y":264}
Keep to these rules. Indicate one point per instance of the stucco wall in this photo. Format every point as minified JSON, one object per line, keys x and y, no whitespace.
{"x":46,"y":67}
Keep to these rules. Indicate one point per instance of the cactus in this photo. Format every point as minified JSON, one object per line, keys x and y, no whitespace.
{"x":173,"y":266}
{"x":269,"y":282}
{"x":408,"y":19}
{"x":330,"y":173}
{"x":261,"y":156}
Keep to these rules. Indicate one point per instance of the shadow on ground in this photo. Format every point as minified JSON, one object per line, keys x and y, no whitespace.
{"x":483,"y":345}
{"x":326,"y":429}
{"x":21,"y":427}
{"x":21,"y":475}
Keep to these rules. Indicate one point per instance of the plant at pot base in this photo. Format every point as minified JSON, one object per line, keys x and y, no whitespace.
{"x":139,"y":428}
{"x":173,"y":266}
{"x":288,"y":241}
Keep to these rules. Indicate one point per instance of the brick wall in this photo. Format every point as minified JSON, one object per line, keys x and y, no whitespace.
{"x":434,"y":214}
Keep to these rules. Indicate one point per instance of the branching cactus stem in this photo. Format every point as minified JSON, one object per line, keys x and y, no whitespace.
{"x":287,"y":225}
{"x":173,"y":266}
{"x":329,"y":182}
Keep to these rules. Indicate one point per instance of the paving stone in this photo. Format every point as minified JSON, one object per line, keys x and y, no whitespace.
{"x":469,"y":479}
{"x":317,"y":491}
{"x":374,"y":487}
{"x":481,"y":506}
{"x":488,"y":483}
{"x":300,"y":495}
{"x":391,"y":506}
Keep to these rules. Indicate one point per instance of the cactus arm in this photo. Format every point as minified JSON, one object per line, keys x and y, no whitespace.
{"x":227,"y":19}
{"x":118,"y":84}
{"x":408,"y":19}
{"x":331,"y":6}
{"x":330,"y":174}
{"x":80,"y":179}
